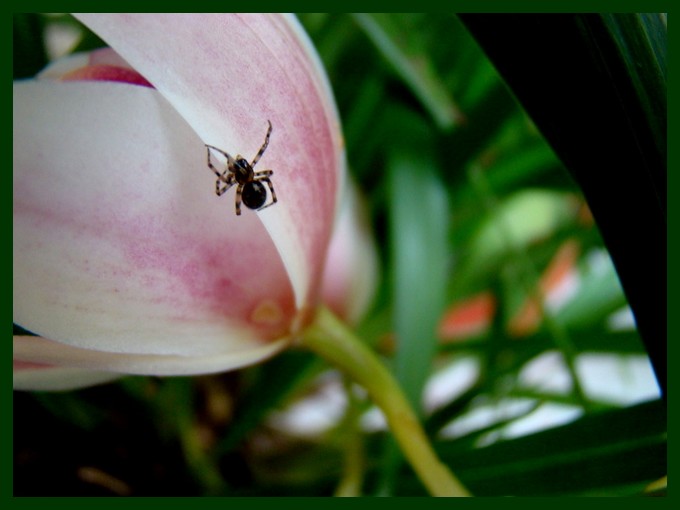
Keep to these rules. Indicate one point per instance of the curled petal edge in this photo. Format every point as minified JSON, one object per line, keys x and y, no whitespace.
{"x":56,"y":378}
{"x":35,"y":349}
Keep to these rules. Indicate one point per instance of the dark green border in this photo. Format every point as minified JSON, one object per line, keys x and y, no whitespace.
{"x":397,"y":6}
{"x":466,"y":6}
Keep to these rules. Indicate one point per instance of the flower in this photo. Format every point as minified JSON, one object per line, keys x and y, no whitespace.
{"x":125,"y":261}
{"x":351,"y":269}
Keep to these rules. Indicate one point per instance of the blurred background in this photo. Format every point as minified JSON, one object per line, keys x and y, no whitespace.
{"x":499,"y":310}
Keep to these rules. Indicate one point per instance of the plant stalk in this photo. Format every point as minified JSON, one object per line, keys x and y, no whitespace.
{"x":331,"y":339}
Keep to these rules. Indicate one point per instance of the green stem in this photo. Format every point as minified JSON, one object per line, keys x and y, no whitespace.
{"x":331,"y":339}
{"x":353,"y":448}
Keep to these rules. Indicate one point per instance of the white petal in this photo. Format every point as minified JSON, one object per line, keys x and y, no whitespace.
{"x":39,"y":350}
{"x":56,"y":378}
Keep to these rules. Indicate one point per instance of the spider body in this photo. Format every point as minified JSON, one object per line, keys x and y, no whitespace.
{"x":250,"y":189}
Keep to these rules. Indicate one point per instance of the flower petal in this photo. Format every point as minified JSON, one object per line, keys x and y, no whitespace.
{"x":35,"y":377}
{"x":57,"y":69}
{"x":120,"y":243}
{"x":227,"y":74}
{"x":351,"y":272}
{"x":35,"y":349}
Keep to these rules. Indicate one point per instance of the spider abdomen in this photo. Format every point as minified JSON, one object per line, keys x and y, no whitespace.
{"x":254,"y":194}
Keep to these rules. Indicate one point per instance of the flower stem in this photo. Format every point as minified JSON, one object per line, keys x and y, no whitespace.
{"x":353,"y":471}
{"x":331,"y":339}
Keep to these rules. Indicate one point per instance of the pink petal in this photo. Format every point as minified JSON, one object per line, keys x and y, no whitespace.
{"x":227,"y":74}
{"x":104,"y":72}
{"x":351,"y":272}
{"x":120,"y":244}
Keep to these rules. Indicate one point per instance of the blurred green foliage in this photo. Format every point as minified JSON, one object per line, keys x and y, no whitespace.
{"x":465,"y":197}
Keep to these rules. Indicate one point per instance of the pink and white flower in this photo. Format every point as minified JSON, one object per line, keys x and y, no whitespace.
{"x":125,"y":260}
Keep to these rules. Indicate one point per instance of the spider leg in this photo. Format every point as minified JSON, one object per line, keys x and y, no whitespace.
{"x":230,"y":163}
{"x":228,"y":182}
{"x":239,"y":190}
{"x":271,"y":187}
{"x":264,"y":146}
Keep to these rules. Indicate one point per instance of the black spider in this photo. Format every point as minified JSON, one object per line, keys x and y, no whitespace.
{"x":250,"y":188}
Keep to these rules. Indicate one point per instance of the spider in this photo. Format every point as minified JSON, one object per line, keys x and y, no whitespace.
{"x":250,"y":189}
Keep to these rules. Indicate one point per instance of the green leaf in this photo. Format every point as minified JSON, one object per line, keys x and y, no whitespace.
{"x":484,"y":120}
{"x":418,"y":230}
{"x":418,"y":226}
{"x":609,"y":448}
{"x":72,"y":408}
{"x":593,"y":339}
{"x":595,"y":86}
{"x":599,"y":295}
{"x":400,"y":43}
{"x":275,"y":381}
{"x":522,"y":219}
{"x":640,"y":42}
{"x":28,"y":50}
{"x":174,"y":403}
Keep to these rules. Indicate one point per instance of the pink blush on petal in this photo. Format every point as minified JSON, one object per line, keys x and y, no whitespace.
{"x":29,"y":365}
{"x":103,"y":72}
{"x":240,"y":279}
